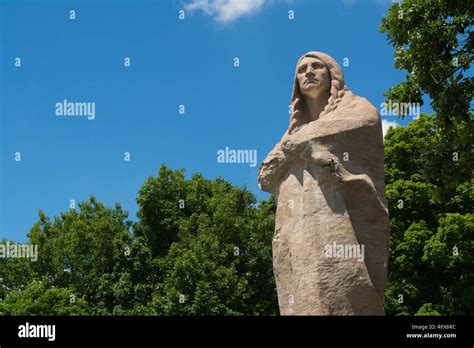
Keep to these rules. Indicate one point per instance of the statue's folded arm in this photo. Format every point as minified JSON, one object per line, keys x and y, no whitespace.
{"x":272,"y":169}
{"x":364,"y":116}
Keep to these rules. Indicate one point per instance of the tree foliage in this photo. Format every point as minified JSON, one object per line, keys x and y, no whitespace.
{"x":434,"y":44}
{"x":37,"y":298}
{"x":200,"y":247}
{"x":219,"y":255}
{"x":428,"y":164}
{"x":430,"y":197}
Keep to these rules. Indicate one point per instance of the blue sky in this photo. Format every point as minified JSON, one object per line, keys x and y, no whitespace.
{"x":173,"y":62}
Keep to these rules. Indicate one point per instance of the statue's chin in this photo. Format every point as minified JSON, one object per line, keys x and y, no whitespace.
{"x":313,"y":91}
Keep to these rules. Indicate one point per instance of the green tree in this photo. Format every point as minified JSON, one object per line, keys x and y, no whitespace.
{"x":428,"y":164}
{"x":39,"y":299}
{"x":433,"y":42}
{"x":14,"y":273}
{"x":200,"y":247}
{"x":432,"y":234}
{"x":92,"y":251}
{"x":212,"y":245}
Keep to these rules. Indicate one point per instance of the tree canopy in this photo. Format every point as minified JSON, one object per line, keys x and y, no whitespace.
{"x":433,"y":42}
{"x":428,"y":164}
{"x":431,"y":223}
{"x":200,"y":247}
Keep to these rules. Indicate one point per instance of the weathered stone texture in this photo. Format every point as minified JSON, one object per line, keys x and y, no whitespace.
{"x":326,"y":174}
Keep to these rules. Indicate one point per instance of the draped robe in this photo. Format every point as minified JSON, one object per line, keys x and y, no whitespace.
{"x":319,"y":205}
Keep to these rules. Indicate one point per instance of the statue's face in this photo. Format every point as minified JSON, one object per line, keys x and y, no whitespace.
{"x":313,"y":77}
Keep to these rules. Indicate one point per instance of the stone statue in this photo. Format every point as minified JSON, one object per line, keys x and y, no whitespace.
{"x":330,"y":247}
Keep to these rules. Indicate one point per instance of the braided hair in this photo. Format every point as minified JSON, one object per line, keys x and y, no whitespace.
{"x":337,"y":91}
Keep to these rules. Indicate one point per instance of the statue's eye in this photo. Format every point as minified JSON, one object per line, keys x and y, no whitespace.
{"x":317,"y":65}
{"x":302,"y":69}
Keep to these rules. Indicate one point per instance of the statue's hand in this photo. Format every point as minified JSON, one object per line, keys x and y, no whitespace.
{"x":326,"y":160}
{"x":322,"y":157}
{"x":273,"y":160}
{"x":293,"y":147}
{"x":300,"y":140}
{"x":271,"y":169}
{"x":288,"y":147}
{"x":338,"y":171}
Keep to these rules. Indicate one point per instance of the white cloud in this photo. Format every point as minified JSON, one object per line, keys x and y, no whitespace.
{"x":386,"y":124}
{"x":224,"y":11}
